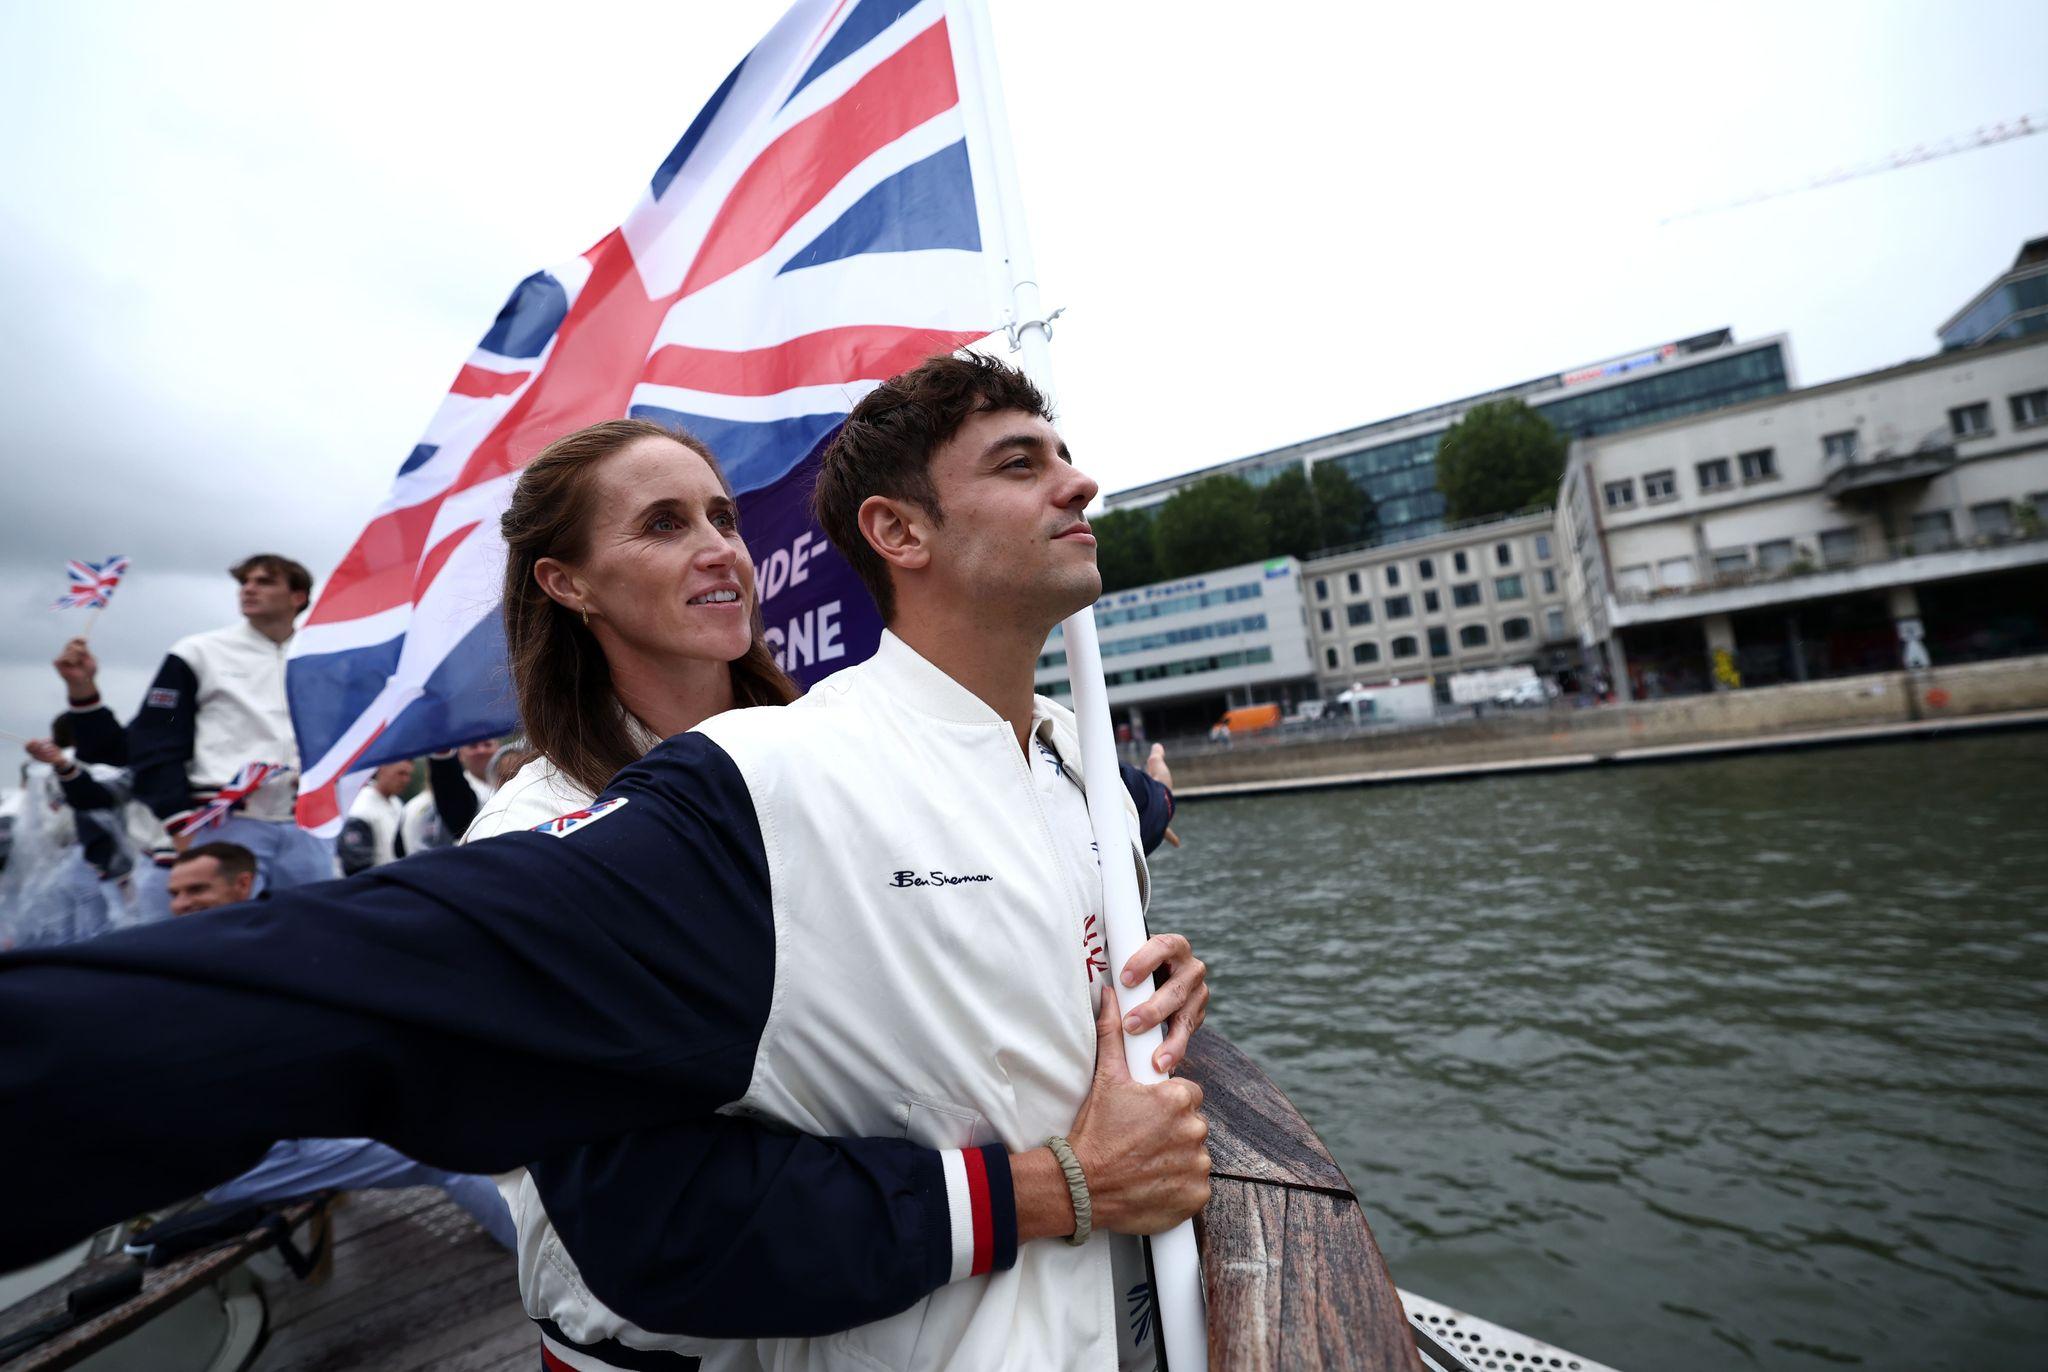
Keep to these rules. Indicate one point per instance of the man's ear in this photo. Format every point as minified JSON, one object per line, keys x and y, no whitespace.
{"x":898,"y":530}
{"x":244,"y":883}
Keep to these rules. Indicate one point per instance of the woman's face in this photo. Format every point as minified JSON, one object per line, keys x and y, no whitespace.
{"x":665,"y":572}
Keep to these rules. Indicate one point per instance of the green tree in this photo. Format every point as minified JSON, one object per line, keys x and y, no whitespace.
{"x":1500,"y":457}
{"x":1344,"y":513}
{"x":1290,"y":511}
{"x":1123,"y":549}
{"x":1214,"y":523}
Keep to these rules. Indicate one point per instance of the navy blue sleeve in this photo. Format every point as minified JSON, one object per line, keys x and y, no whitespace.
{"x":98,"y":737}
{"x":83,"y":792}
{"x":160,"y":739}
{"x":1155,"y":806}
{"x":707,"y":1227}
{"x":474,"y":1007}
{"x":454,"y":801}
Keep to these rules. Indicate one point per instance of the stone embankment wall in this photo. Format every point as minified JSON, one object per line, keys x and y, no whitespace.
{"x":1891,"y":698}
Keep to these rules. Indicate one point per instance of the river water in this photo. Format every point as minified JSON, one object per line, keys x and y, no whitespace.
{"x":1720,"y":1065}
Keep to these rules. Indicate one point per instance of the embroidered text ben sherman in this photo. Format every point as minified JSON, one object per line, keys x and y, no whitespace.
{"x":935,"y":879}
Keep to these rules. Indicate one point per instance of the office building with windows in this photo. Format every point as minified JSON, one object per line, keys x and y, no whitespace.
{"x":1177,"y":654}
{"x":1886,"y":519}
{"x":1483,"y":595}
{"x":1394,"y":460}
{"x":2013,"y":306}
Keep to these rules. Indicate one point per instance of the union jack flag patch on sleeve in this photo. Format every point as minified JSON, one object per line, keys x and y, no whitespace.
{"x":563,"y":825}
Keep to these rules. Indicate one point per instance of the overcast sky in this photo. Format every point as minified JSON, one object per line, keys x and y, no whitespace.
{"x":247,"y":246}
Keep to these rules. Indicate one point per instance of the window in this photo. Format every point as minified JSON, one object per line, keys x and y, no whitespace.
{"x":2030,"y":409}
{"x":1503,"y":554}
{"x":1543,"y":547}
{"x":1659,"y":487}
{"x":1550,"y":581}
{"x":1398,"y":607}
{"x":1993,"y":520}
{"x":1439,"y":643}
{"x":1761,"y":465}
{"x":1636,"y":578}
{"x":1322,"y":589}
{"x":1674,"y":572}
{"x":1714,"y":475}
{"x":1358,"y":614}
{"x":1330,"y":657}
{"x":1514,"y":630}
{"x":1328,"y":624}
{"x":1620,"y":495}
{"x":1425,"y":569}
{"x":1351,"y":583}
{"x":1363,"y":653}
{"x":1472,"y":636}
{"x":1404,"y":646}
{"x":1838,"y":449}
{"x":1553,"y":624}
{"x":1733,"y":563}
{"x":1774,"y":556}
{"x":1431,"y":602}
{"x":1465,"y":596}
{"x":1393,"y":575}
{"x":1459,"y":564}
{"x":1837,"y":547}
{"x":1934,"y":532}
{"x":1507,"y":588}
{"x":1970,"y":421}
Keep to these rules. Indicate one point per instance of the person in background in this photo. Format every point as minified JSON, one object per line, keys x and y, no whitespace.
{"x":370,"y":835}
{"x":459,"y":781}
{"x":207,"y":876}
{"x":216,"y":705}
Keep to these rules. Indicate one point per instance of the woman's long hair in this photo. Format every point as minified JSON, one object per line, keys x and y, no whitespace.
{"x":564,"y":683}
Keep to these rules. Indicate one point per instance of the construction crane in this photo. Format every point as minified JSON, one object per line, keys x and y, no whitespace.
{"x":1985,"y":136}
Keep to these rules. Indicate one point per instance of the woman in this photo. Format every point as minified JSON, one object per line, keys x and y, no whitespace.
{"x":631,"y":616}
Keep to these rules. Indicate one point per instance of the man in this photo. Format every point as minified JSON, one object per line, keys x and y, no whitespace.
{"x":216,"y":705}
{"x":869,"y":913}
{"x":458,"y":784}
{"x":211,"y":875}
{"x":370,"y":836}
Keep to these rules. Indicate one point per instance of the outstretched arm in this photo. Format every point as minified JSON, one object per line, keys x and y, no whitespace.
{"x":473,"y":1007}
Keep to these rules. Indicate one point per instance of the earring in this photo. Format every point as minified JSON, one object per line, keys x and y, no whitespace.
{"x":586,"y":619}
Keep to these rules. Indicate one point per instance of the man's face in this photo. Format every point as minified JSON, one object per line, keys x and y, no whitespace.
{"x":265,"y":595}
{"x":476,"y":757}
{"x":393,"y":777}
{"x":1013,"y":542}
{"x":200,"y":884}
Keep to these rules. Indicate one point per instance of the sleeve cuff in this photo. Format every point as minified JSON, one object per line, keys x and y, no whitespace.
{"x":981,"y":1210}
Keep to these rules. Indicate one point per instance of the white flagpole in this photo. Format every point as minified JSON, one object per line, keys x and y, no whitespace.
{"x":1182,"y":1321}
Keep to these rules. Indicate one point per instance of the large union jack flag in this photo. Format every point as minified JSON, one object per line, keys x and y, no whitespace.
{"x":826,"y":221}
{"x":92,"y":583}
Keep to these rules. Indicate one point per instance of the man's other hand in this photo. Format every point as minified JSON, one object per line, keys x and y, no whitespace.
{"x":1143,"y":1149}
{"x":1155,"y":764}
{"x":44,"y":751}
{"x":80,"y":670}
{"x":1184,"y":999}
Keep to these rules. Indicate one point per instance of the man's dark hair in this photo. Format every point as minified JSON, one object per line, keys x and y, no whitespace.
{"x":234,"y":859}
{"x":295,"y":574}
{"x":886,"y":445}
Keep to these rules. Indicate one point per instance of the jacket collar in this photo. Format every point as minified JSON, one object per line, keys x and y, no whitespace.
{"x":911,"y":680}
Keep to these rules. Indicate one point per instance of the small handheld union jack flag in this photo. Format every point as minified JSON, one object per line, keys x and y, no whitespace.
{"x":246,"y":783}
{"x":92,"y":583}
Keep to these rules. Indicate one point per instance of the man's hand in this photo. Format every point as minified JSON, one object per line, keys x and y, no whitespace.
{"x":1184,"y":997}
{"x":1143,"y":1149}
{"x":44,"y":751}
{"x":80,"y":670}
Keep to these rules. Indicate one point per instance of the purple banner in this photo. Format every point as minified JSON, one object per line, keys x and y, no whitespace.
{"x":819,"y":617}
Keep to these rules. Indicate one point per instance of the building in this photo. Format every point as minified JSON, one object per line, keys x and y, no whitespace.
{"x":1177,"y":654}
{"x":1486,"y":594}
{"x":2013,"y":306}
{"x":1895,"y":516}
{"x":1394,"y":460}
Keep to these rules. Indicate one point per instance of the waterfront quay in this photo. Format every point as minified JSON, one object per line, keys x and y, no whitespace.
{"x":1887,"y":706}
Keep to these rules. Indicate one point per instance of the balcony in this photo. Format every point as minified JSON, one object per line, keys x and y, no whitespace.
{"x":1850,"y":477}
